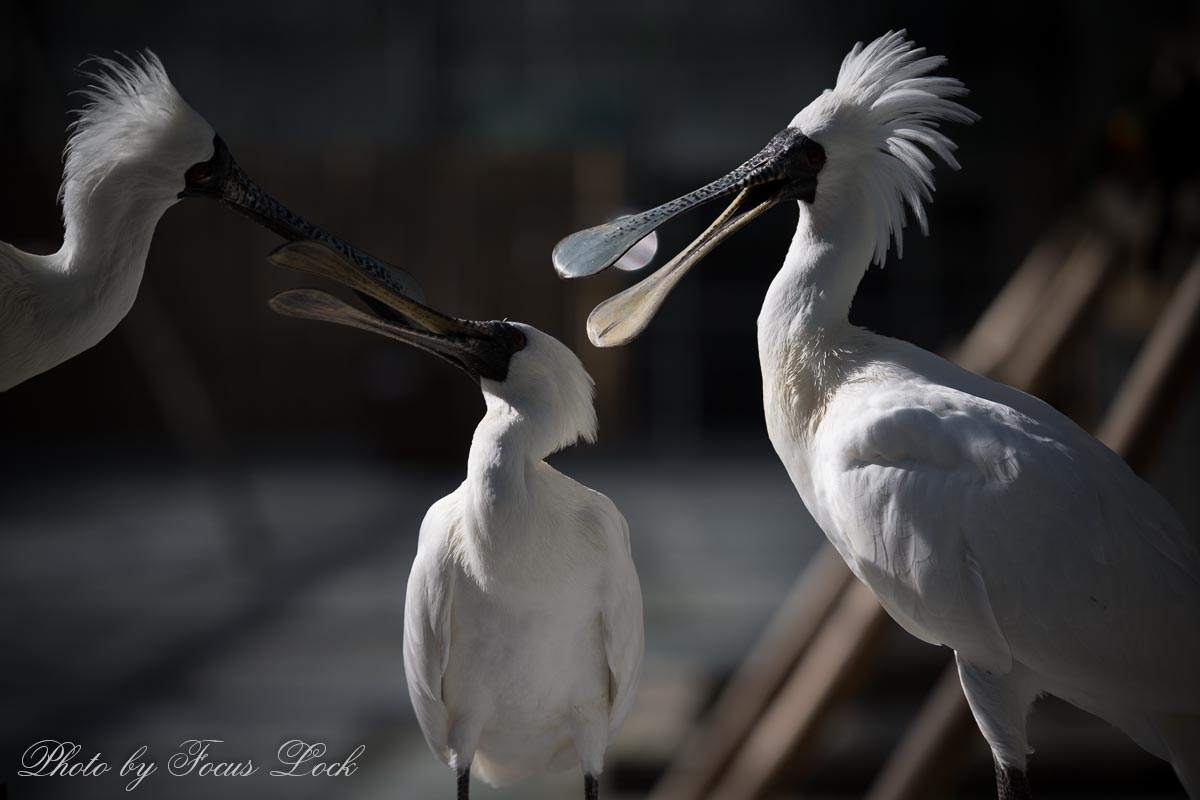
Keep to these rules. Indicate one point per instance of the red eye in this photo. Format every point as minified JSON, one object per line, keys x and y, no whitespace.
{"x":813,"y":153}
{"x":200,"y":172}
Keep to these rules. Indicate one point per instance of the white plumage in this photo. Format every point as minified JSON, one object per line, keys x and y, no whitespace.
{"x":884,"y":109}
{"x":984,"y":520}
{"x":523,"y":636}
{"x":125,"y":164}
{"x":980,"y":517}
{"x":523,"y":623}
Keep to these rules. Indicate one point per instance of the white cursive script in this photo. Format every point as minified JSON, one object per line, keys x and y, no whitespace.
{"x":300,"y":757}
{"x":193,"y":758}
{"x":51,"y":758}
{"x":140,"y":768}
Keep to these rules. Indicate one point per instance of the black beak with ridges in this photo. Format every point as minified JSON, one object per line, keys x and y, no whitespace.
{"x":220,"y":178}
{"x":481,"y":349}
{"x":786,"y":169}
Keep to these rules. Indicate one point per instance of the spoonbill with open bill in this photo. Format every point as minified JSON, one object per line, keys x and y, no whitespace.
{"x":523,"y":631}
{"x":136,"y":149}
{"x":980,"y":517}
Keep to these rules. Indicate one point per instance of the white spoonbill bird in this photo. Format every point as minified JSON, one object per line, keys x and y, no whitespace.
{"x":523,"y":631}
{"x":137,"y":148}
{"x":980,"y":517}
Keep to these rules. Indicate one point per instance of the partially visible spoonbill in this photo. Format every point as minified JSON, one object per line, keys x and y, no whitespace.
{"x":980,"y":517}
{"x":523,"y":634}
{"x":136,"y":149}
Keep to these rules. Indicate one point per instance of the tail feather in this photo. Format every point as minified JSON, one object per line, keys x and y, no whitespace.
{"x":502,"y":772}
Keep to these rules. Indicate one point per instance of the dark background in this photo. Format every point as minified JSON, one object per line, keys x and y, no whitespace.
{"x":211,"y":455}
{"x":463,"y":139}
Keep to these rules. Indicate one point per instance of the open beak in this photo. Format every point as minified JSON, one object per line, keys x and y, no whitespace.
{"x":234,"y":188}
{"x":481,"y":349}
{"x":785,"y":169}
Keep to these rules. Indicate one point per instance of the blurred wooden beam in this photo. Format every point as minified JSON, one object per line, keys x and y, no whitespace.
{"x":708,"y":750}
{"x":1059,"y":312}
{"x":932,"y":750}
{"x":815,"y":685}
{"x":1134,"y":424}
{"x":993,"y":337}
{"x":934,"y":747}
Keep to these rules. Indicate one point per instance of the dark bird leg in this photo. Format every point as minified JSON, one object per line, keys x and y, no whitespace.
{"x":1011,"y":783}
{"x":464,"y":784}
{"x":591,"y":787}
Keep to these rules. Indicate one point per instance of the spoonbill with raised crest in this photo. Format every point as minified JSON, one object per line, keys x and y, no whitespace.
{"x":136,"y":149}
{"x":980,"y":517}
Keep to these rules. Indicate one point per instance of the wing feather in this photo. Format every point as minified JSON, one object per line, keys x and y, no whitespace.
{"x":427,"y":624}
{"x":1014,"y":534}
{"x":622,"y":619}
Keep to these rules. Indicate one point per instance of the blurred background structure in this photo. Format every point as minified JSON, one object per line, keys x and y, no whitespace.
{"x":206,"y":521}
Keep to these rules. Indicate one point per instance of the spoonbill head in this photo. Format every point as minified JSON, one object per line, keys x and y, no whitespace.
{"x":483,"y":350}
{"x":853,"y":157}
{"x":523,"y":633}
{"x":136,"y":132}
{"x":139,"y":134}
{"x":515,"y":364}
{"x":136,"y":148}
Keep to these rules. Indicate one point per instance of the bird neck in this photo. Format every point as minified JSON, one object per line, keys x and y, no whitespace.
{"x":827,"y":259}
{"x":804,"y":322}
{"x":109,"y":227}
{"x":62,"y":304}
{"x":110,"y":223}
{"x":500,"y":464}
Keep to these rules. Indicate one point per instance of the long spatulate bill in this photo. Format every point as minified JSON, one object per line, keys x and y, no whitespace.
{"x":622,"y":318}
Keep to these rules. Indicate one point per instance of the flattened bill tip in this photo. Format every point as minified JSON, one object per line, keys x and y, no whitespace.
{"x":614,"y":334}
{"x":305,"y":303}
{"x":596,"y":249}
{"x":622,"y":318}
{"x":569,"y":257}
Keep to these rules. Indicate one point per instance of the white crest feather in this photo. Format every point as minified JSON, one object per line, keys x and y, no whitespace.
{"x":133,"y":115}
{"x":898,"y":105}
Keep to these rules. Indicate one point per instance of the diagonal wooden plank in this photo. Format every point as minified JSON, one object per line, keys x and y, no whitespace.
{"x":707,"y":751}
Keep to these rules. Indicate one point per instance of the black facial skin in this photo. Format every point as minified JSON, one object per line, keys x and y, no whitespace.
{"x":793,"y":162}
{"x":208,"y":178}
{"x":485,"y":356}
